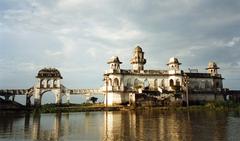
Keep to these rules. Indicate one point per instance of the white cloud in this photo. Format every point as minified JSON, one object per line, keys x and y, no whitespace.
{"x":80,"y":35}
{"x":70,"y":4}
{"x":233,"y":42}
{"x":117,"y":34}
{"x":53,"y":53}
{"x":28,"y":67}
{"x":92,"y":52}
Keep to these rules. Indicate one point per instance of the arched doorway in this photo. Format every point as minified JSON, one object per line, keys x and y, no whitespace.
{"x":48,"y":97}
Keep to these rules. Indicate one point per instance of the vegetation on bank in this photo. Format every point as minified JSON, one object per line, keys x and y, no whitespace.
{"x":86,"y":107}
{"x":213,"y":105}
{"x":222,"y":105}
{"x":71,"y":107}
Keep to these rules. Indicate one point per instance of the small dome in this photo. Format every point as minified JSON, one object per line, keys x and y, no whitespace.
{"x":173,"y":60}
{"x":114,"y":59}
{"x":212,"y":65}
{"x":49,"y":72}
{"x":138,"y":49}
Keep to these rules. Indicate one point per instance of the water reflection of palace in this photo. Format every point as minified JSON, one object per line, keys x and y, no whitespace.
{"x":39,"y":133}
{"x":165,"y":126}
{"x":120,"y":125}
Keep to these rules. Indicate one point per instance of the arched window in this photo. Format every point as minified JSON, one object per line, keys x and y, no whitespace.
{"x":42,"y":83}
{"x":137,"y":83}
{"x":163,"y":83}
{"x":55,"y":83}
{"x":217,"y":84}
{"x":48,"y":83}
{"x":155,"y":84}
{"x":171,"y":83}
{"x":110,"y":81}
{"x":129,"y":84}
{"x":115,"y":82}
{"x":207,"y":85}
{"x":146,"y":83}
{"x":177,"y":82}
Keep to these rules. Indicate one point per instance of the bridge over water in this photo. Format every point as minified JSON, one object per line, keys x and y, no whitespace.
{"x":48,"y":79}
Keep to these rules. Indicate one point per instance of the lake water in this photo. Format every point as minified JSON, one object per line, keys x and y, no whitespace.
{"x":122,"y":125}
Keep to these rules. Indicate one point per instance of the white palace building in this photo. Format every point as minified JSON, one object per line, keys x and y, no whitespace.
{"x":120,"y":85}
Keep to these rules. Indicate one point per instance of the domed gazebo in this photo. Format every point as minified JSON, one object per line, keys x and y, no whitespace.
{"x":49,"y":72}
{"x":48,"y":79}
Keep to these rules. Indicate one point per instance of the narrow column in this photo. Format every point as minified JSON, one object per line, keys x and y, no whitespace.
{"x":37,"y":98}
{"x":13,"y":98}
{"x":58,"y":97}
{"x":37,"y":102}
{"x":28,"y":101}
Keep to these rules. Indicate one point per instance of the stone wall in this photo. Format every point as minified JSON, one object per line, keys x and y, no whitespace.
{"x":116,"y":98}
{"x":205,"y":97}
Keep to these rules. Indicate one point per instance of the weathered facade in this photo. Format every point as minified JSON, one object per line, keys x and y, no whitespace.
{"x":121,"y":84}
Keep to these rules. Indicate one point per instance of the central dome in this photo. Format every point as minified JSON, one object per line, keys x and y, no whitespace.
{"x":173,"y":60}
{"x":138,"y":49}
{"x":212,"y":65}
{"x":49,"y":72}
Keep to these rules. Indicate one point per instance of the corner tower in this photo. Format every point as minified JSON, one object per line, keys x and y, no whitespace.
{"x":173,"y":66}
{"x":212,"y":68}
{"x":138,"y":59}
{"x":114,"y":64}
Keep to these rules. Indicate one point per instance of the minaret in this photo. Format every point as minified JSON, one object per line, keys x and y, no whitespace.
{"x":173,"y":66}
{"x":212,"y":68}
{"x":138,"y":59}
{"x":114,"y":64}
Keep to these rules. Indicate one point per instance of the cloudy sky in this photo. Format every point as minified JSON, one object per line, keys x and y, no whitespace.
{"x":79,"y":36}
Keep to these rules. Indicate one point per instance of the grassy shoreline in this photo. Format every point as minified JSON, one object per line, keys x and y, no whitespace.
{"x":87,"y":107}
